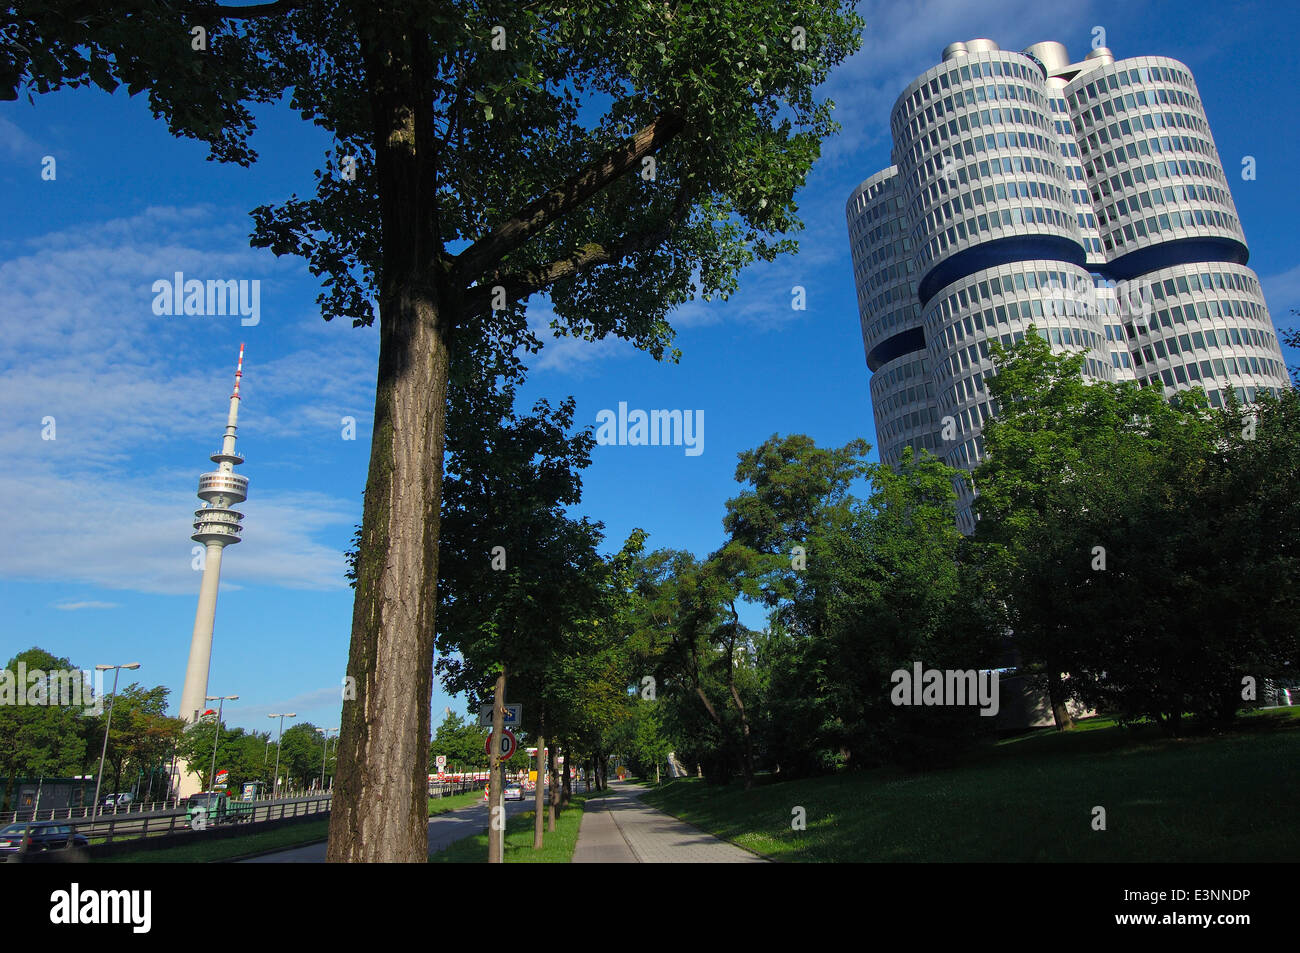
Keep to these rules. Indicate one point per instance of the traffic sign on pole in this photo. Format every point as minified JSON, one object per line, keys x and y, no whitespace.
{"x":509,"y":744}
{"x":441,"y":761}
{"x":511,"y":718}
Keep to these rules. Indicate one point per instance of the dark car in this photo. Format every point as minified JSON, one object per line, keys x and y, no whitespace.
{"x":29,"y":837}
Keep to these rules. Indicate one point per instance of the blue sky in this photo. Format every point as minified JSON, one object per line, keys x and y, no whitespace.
{"x":96,"y":564}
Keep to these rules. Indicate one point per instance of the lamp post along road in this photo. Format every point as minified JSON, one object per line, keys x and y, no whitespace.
{"x":221,"y":699}
{"x":324,"y":751}
{"x":108,"y":723}
{"x":275,"y":787}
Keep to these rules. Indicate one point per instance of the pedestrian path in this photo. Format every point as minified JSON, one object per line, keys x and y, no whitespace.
{"x":619,"y":829}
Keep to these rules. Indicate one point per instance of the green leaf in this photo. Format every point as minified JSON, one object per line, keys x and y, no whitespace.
{"x":102,"y":77}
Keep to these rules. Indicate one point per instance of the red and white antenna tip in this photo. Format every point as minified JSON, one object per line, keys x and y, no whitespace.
{"x":239,"y":370}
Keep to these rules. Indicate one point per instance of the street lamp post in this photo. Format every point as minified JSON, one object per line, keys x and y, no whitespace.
{"x":324,"y":751}
{"x":99,"y":779}
{"x":282,"y":716}
{"x":222,"y":699}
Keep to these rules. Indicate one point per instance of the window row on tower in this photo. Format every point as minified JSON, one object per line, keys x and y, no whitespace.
{"x":954,"y":181}
{"x":973,"y":96}
{"x":1118,"y":79}
{"x":1140,"y":101}
{"x":952,"y":77}
{"x":967,"y":116}
{"x":990,"y":141}
{"x":964,"y":233}
{"x":1184,"y":192}
{"x":998,"y":194}
{"x":1120,"y":158}
{"x":1206,"y":374}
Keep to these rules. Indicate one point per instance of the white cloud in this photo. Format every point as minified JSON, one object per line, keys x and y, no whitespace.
{"x":301,"y":704}
{"x":569,"y":355}
{"x":91,"y":604}
{"x":19,"y":146}
{"x":902,"y":40}
{"x":1282,"y":291}
{"x":124,"y":390}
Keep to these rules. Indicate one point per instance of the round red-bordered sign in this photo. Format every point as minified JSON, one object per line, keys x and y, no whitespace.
{"x":509,"y":744}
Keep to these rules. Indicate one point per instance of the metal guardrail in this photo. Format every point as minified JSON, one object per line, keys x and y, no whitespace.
{"x":109,"y":827}
{"x":84,"y":812}
{"x":451,"y":788}
{"x":88,"y":812}
{"x":135,"y":821}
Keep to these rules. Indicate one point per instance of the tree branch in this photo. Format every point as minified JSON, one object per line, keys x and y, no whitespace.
{"x":525,"y":282}
{"x":541,"y":212}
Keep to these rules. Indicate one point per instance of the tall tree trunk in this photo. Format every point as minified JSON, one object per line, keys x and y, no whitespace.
{"x":497,"y":777}
{"x":566,"y":781}
{"x":555,"y":791}
{"x":1057,"y":695}
{"x":539,"y":792}
{"x":747,"y":743}
{"x":380,"y":810}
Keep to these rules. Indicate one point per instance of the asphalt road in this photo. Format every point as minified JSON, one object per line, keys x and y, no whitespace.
{"x":444,"y":829}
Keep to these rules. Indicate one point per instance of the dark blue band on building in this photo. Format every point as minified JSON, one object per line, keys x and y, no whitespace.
{"x":999,"y":251}
{"x":1180,"y":251}
{"x":904,"y":342}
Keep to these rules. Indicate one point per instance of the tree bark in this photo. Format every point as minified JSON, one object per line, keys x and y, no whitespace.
{"x":554,"y":793}
{"x":497,"y":777}
{"x":747,"y":742}
{"x":1057,"y":695}
{"x":566,"y":788}
{"x":380,"y":810}
{"x":539,"y":793}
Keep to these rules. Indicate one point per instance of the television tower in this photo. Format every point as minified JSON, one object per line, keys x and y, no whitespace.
{"x":216,"y":526}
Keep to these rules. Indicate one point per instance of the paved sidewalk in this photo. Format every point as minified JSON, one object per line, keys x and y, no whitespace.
{"x":619,"y":829}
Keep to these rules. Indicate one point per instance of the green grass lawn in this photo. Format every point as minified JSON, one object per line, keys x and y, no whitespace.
{"x":441,"y":805}
{"x":210,"y":851}
{"x":558,"y":849}
{"x":1229,"y":797}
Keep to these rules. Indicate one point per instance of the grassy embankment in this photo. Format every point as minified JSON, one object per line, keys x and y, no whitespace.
{"x":559,"y":843}
{"x":1228,"y":797}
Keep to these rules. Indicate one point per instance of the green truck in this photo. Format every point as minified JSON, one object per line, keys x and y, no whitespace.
{"x":217,"y":807}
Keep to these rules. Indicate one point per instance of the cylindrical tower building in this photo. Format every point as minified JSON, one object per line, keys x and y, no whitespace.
{"x":884,"y":272}
{"x":1086,"y":199}
{"x":1170,"y":230}
{"x":216,"y":526}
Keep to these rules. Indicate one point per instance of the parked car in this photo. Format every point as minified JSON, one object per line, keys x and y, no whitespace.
{"x":28,"y":837}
